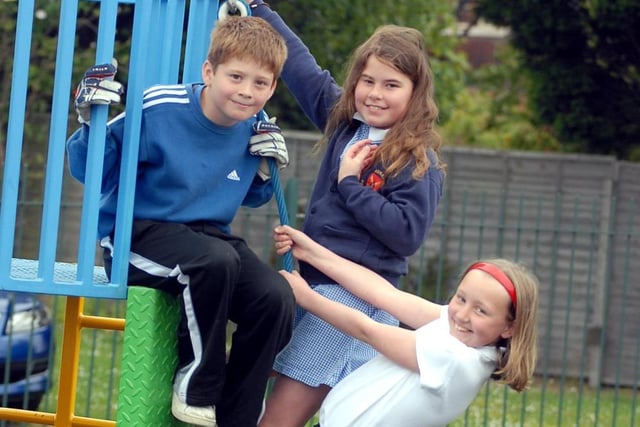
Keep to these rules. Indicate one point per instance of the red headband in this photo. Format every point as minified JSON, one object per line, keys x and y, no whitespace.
{"x":502,"y":278}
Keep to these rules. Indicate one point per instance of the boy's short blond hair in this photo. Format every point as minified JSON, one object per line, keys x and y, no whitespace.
{"x":247,"y":37}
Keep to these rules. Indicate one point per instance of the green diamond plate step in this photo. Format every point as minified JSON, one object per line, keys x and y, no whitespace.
{"x":149,"y":358}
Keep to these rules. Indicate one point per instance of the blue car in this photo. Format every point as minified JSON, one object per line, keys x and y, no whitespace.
{"x":26,"y":341}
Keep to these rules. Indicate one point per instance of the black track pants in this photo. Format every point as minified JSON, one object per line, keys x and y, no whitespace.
{"x":217,"y":278}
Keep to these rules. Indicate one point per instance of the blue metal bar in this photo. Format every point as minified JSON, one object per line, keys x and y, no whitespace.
{"x":171,"y":46}
{"x":128,"y":168}
{"x":15,"y":134}
{"x":202,"y":15}
{"x":155,"y":52}
{"x":97,"y":136}
{"x":57,"y":137}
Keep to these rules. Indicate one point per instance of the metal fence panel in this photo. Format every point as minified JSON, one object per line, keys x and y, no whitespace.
{"x":574,"y":220}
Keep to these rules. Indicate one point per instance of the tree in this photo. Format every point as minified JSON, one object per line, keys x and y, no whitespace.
{"x":333,"y":28}
{"x":583,"y":58}
{"x":492,"y":111}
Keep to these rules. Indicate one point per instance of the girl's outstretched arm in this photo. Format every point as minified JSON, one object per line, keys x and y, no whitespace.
{"x":360,"y":281}
{"x":397,"y":344}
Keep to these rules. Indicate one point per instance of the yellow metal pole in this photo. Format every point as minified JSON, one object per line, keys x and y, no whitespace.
{"x":99,"y":322}
{"x":74,"y":322}
{"x":91,"y":422}
{"x":70,"y":357}
{"x":23,"y":415}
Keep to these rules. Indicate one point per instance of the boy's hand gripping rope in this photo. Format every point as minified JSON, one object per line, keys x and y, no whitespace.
{"x":266,"y":142}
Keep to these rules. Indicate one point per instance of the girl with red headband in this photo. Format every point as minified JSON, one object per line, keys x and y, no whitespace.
{"x":428,"y":375}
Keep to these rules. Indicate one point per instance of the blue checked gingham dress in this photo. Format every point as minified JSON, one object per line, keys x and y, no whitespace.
{"x":320,"y":354}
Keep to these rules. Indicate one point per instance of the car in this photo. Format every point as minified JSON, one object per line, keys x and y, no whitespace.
{"x":26,"y":346}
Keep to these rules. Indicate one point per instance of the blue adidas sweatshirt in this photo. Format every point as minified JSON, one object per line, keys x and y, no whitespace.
{"x":189,"y":168}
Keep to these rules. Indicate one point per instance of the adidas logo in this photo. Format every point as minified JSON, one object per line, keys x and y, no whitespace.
{"x":233,"y":176}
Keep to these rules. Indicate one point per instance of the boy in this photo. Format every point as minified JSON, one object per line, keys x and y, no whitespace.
{"x":199,"y":161}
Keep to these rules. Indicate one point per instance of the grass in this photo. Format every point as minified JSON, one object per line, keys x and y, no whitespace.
{"x":549,"y":401}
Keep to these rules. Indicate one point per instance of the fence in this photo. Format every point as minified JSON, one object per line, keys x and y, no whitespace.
{"x":573,"y":219}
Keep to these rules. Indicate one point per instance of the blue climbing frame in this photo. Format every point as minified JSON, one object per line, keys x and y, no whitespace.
{"x":155,"y":57}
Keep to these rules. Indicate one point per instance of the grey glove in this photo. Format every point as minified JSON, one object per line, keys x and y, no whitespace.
{"x":268,"y":142}
{"x":97,"y":87}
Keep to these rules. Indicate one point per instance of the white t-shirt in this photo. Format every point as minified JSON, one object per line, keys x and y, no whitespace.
{"x":383,"y":394}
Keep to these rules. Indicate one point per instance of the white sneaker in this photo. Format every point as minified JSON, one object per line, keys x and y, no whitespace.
{"x":198,"y":415}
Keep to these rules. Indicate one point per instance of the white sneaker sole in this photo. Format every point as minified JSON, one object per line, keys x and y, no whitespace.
{"x":180,"y":410}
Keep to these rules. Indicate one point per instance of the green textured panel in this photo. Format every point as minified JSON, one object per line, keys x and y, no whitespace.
{"x":149,"y":359}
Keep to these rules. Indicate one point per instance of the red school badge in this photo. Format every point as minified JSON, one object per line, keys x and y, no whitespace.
{"x":375,"y":180}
